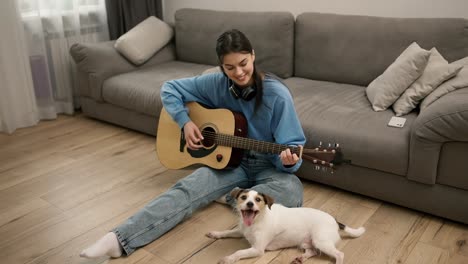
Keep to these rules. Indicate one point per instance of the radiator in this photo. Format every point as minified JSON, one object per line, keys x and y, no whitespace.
{"x":53,"y":71}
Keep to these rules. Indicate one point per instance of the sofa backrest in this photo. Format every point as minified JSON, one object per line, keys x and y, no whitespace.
{"x":270,"y":33}
{"x":357,"y":49}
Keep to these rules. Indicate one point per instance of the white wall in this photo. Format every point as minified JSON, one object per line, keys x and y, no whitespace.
{"x":387,"y":8}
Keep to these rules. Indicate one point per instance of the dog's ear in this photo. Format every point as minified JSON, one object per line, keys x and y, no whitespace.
{"x":268,"y":200}
{"x":235,"y":193}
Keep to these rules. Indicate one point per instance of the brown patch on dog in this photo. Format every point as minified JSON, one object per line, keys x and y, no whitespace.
{"x":236,"y":192}
{"x":268,"y":200}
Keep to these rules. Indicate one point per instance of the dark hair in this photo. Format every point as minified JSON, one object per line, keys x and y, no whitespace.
{"x":233,"y":41}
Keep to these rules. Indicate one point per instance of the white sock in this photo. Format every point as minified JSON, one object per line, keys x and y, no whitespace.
{"x":108,"y":245}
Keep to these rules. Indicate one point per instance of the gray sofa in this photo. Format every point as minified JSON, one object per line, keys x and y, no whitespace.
{"x":327,"y":60}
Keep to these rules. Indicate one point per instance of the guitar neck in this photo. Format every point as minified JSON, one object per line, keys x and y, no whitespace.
{"x":253,"y":144}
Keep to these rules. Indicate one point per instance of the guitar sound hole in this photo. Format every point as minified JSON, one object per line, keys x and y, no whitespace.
{"x":209,"y":135}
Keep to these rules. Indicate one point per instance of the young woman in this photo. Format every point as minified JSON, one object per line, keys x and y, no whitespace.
{"x":268,"y":107}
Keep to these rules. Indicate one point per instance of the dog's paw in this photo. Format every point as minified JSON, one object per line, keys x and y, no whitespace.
{"x":213,"y":234}
{"x":297,"y":260}
{"x":226,"y":260}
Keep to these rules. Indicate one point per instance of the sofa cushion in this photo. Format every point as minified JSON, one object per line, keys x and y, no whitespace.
{"x":437,"y":71}
{"x":341,"y":113}
{"x":270,"y":33}
{"x":459,"y":81}
{"x":139,"y":90}
{"x":385,"y":89}
{"x":145,"y":39}
{"x":356,"y":49}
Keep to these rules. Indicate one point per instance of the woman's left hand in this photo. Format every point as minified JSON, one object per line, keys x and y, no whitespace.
{"x":288,"y":158}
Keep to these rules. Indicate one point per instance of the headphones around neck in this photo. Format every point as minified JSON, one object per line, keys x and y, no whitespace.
{"x":247,"y":93}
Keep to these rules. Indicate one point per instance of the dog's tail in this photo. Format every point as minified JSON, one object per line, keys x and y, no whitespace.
{"x":353,"y":232}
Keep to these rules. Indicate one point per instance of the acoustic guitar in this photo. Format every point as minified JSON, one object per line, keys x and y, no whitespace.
{"x":224,"y":133}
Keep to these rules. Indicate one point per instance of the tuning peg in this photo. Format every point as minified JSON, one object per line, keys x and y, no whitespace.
{"x":320,"y":143}
{"x":323,"y":162}
{"x":314,"y":161}
{"x":329,"y":145}
{"x":337,"y":145}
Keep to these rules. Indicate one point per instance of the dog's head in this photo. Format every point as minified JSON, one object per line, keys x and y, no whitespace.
{"x":250,"y":204}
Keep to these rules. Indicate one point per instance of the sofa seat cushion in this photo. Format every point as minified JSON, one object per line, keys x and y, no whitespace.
{"x":340,"y":113}
{"x":139,"y":90}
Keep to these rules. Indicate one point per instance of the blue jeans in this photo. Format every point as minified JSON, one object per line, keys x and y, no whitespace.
{"x":199,"y":189}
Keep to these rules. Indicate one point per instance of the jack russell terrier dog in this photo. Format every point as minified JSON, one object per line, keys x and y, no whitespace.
{"x":269,"y":226}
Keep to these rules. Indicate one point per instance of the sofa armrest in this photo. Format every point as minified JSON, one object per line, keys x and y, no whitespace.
{"x":100,"y":61}
{"x":445,"y":120}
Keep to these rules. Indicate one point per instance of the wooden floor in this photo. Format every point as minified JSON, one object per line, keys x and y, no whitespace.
{"x":65,"y":183}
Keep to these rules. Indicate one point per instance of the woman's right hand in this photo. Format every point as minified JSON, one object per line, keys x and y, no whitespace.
{"x":193,"y":136}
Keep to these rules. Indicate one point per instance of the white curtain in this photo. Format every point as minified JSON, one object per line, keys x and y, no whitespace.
{"x":17,"y":100}
{"x":44,"y":30}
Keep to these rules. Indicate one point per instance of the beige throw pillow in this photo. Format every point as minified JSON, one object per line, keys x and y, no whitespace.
{"x":459,"y":81}
{"x":385,"y":89}
{"x":142,"y":41}
{"x":436,"y":72}
{"x":462,"y":61}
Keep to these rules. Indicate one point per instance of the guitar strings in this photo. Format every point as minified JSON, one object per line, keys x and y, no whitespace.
{"x":213,"y":136}
{"x":264,"y":146}
{"x":247,"y":143}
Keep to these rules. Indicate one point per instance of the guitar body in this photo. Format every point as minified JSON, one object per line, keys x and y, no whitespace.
{"x":172,"y":149}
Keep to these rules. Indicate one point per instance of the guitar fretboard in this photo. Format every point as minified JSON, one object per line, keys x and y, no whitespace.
{"x":249,"y":144}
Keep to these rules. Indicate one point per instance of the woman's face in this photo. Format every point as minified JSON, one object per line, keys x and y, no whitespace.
{"x":239,"y":68}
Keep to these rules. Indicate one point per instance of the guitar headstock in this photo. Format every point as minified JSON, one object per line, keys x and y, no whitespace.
{"x":327,"y":157}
